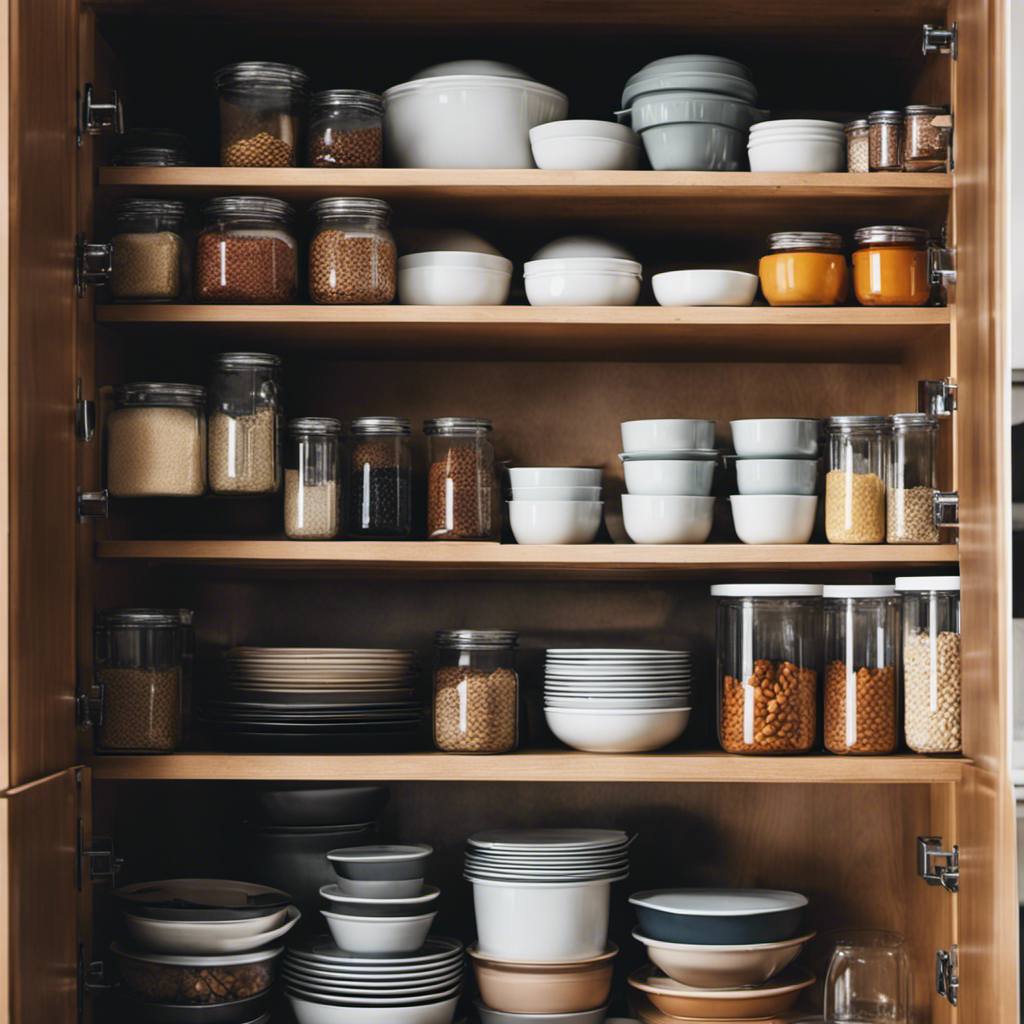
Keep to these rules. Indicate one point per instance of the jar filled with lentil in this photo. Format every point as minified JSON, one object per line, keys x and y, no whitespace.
{"x":346,"y":129}
{"x":247,"y":251}
{"x":351,"y":252}
{"x":244,"y":423}
{"x":858,"y":147}
{"x":769,"y":649}
{"x":862,"y":641}
{"x":913,"y":480}
{"x":380,"y":478}
{"x":885,"y":140}
{"x":312,"y":481}
{"x":461,"y":487}
{"x":925,"y":143}
{"x":890,"y":266}
{"x":855,"y":479}
{"x":142,"y":664}
{"x":156,"y":441}
{"x":476,"y":691}
{"x":804,"y":268}
{"x":931,"y":662}
{"x":261,"y":109}
{"x":147,"y":250}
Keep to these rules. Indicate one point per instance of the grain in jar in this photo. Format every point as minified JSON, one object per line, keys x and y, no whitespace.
{"x":855,"y":479}
{"x":885,"y":140}
{"x":912,"y":480}
{"x":147,"y":250}
{"x":890,"y":266}
{"x":461,"y":485}
{"x":925,"y":138}
{"x":346,"y":129}
{"x":352,"y":255}
{"x":380,"y":478}
{"x":312,"y":486}
{"x":804,"y":268}
{"x":858,"y":151}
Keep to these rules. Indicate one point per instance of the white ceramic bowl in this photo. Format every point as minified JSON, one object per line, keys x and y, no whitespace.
{"x":472,"y":67}
{"x":704,"y":288}
{"x":382,"y":990}
{"x":695,"y":146}
{"x":210,"y":938}
{"x":774,"y":518}
{"x":690,"y":62}
{"x":797,"y":135}
{"x":453,"y":285}
{"x":582,"y":247}
{"x":809,"y":155}
{"x":555,"y":476}
{"x":555,"y":522}
{"x":308,"y":1011}
{"x":363,"y":906}
{"x":652,"y":435}
{"x":669,"y":476}
{"x":611,"y":130}
{"x":587,"y":703}
{"x":556,"y":493}
{"x":455,"y":258}
{"x":611,"y":731}
{"x":452,"y":240}
{"x":658,"y":80}
{"x":797,"y":123}
{"x":378,"y":936}
{"x":776,"y":476}
{"x":582,"y":287}
{"x":380,"y":890}
{"x":775,"y":438}
{"x":679,"y":106}
{"x":585,"y":146}
{"x":667,"y":519}
{"x":489,"y":1016}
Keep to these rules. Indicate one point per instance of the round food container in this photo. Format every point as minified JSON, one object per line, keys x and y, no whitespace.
{"x":804,"y":268}
{"x":351,"y":252}
{"x":890,"y":266}
{"x":346,"y":129}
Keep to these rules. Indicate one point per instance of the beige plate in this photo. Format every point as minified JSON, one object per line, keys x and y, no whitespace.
{"x":647,"y":1013}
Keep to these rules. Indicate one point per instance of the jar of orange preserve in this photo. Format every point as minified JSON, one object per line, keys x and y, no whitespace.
{"x":890,"y":266}
{"x":804,"y":268}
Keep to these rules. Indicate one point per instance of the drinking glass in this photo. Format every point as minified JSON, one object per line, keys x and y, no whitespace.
{"x":868,"y":980}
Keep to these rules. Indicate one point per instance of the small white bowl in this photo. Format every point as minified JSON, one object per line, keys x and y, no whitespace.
{"x":776,"y":476}
{"x":790,"y":123}
{"x":453,"y":286}
{"x":364,"y":906}
{"x":669,"y":476}
{"x":776,"y":438}
{"x":380,"y":890}
{"x":667,"y":519}
{"x":310,"y":1011}
{"x":555,"y":522}
{"x":704,"y":288}
{"x":210,"y":938}
{"x":556,"y":493}
{"x":654,"y":435}
{"x":379,"y":936}
{"x":585,"y":146}
{"x":581,"y":247}
{"x":774,"y":518}
{"x":808,"y":155}
{"x":617,"y":731}
{"x":555,"y":476}
{"x":582,"y":288}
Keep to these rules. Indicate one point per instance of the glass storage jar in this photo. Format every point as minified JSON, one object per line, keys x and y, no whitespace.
{"x":913,"y":480}
{"x":862,"y":641}
{"x":769,"y":647}
{"x":147,"y":249}
{"x":346,"y":129}
{"x":868,"y":979}
{"x":858,"y":147}
{"x":312,"y":480}
{"x":153,"y":147}
{"x":855,"y":479}
{"x":261,"y":108}
{"x":476,"y":691}
{"x":925,"y":144}
{"x":380,"y":478}
{"x":351,"y":252}
{"x":156,"y":441}
{"x":931,"y":662}
{"x":244,"y":423}
{"x":885,"y":140}
{"x":247,"y":252}
{"x":461,"y":486}
{"x":804,"y":268}
{"x":890,"y":266}
{"x":142,"y":664}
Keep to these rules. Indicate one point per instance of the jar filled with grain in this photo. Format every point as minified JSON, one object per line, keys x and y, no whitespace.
{"x":462,"y":491}
{"x":346,"y":129}
{"x":351,"y":252}
{"x":312,"y":482}
{"x":925,"y":138}
{"x":247,"y":251}
{"x":156,"y":441}
{"x":885,"y":140}
{"x":913,"y":480}
{"x":380,"y":478}
{"x":862,"y":641}
{"x":244,"y":425}
{"x":142,"y":664}
{"x":147,"y":250}
{"x":855,"y":480}
{"x":261,"y":109}
{"x":890,"y":266}
{"x":858,"y":150}
{"x":769,"y":651}
{"x":476,"y":691}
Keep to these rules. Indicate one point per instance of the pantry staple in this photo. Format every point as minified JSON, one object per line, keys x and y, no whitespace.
{"x":353,"y":147}
{"x":246,"y":266}
{"x":910,"y":516}
{"x":380,"y":490}
{"x":867,"y":723}
{"x":475,"y":711}
{"x":243,"y":452}
{"x":858,"y":147}
{"x":885,"y":140}
{"x":772,"y":712}
{"x":459,"y":495}
{"x":310,"y":511}
{"x":141,"y":709}
{"x":146,"y":265}
{"x":854,"y":508}
{"x":170,"y":983}
{"x":262,"y":150}
{"x":156,"y":451}
{"x":931,"y":687}
{"x":351,"y":267}
{"x":925,"y":145}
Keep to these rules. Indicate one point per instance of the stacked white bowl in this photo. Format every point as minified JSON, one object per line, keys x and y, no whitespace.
{"x":461,"y":271}
{"x":797,"y":145}
{"x":669,"y":467}
{"x":585,"y":146}
{"x":617,"y":700}
{"x":555,"y":505}
{"x":580,"y":270}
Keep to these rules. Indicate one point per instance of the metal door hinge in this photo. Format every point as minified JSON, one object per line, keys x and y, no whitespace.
{"x":947,"y":973}
{"x":103,"y":864}
{"x":99,"y":118}
{"x":936,"y":39}
{"x":88,"y":708}
{"x":93,"y":263}
{"x":91,"y":978}
{"x":937,"y":397}
{"x":941,"y":266}
{"x":929,"y":850}
{"x":93,"y":505}
{"x":85,"y":415}
{"x":946,"y":511}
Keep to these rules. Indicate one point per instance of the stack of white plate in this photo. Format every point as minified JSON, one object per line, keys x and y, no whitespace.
{"x":797,"y":145}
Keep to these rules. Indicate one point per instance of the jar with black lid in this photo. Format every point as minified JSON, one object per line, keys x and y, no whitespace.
{"x":352,"y":254}
{"x":346,"y":129}
{"x":885,"y":140}
{"x":147,"y":250}
{"x":462,"y":490}
{"x":380,"y":478}
{"x":312,"y":478}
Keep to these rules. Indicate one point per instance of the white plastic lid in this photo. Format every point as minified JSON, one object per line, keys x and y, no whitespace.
{"x":766,"y":590}
{"x":919,"y":584}
{"x":865,"y":591}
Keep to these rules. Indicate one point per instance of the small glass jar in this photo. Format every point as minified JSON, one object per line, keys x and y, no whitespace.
{"x":147,"y":250}
{"x":862,"y":641}
{"x":156,"y":441}
{"x":890,"y":266}
{"x":247,"y":251}
{"x":380,"y":478}
{"x":769,"y":648}
{"x":925,"y":145}
{"x":476,"y":691}
{"x":868,"y":980}
{"x":885,"y":140}
{"x":261,"y":108}
{"x":346,"y":129}
{"x":913,"y":480}
{"x":142,"y":663}
{"x":351,"y":252}
{"x":153,"y":147}
{"x":461,"y":487}
{"x":312,"y":478}
{"x":855,"y":479}
{"x":858,"y":146}
{"x":804,"y":268}
{"x":244,"y":424}
{"x":931,"y":662}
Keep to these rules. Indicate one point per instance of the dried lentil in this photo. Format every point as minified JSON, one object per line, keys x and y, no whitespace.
{"x":243,"y":453}
{"x":310,"y":511}
{"x":245,"y":267}
{"x":910,"y":516}
{"x":146,"y":265}
{"x":156,"y":451}
{"x":925,"y":147}
{"x":167,"y":983}
{"x":380,"y":490}
{"x":931,"y":685}
{"x":854,"y":507}
{"x":355,"y":147}
{"x":141,"y":709}
{"x":873,"y":726}
{"x":475,"y":711}
{"x":885,"y":138}
{"x":459,"y":495}
{"x":781,"y":697}
{"x":261,"y":150}
{"x":345,"y":267}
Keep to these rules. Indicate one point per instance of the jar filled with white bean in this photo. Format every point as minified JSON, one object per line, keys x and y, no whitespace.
{"x":312,"y":483}
{"x":912,"y":480}
{"x":855,"y":481}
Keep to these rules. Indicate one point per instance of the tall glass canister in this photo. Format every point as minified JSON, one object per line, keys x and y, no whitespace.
{"x":913,"y":480}
{"x":312,"y":478}
{"x":855,"y":480}
{"x":379,"y":478}
{"x":461,"y":487}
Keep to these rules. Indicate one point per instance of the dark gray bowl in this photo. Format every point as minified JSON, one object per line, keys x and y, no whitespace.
{"x":254,"y":1010}
{"x":307,"y":804}
{"x":388,"y":863}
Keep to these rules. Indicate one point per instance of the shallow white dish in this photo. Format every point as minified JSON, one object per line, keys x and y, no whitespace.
{"x":489,"y":1016}
{"x":583,"y":288}
{"x":669,"y":476}
{"x":590,"y":129}
{"x":667,"y":519}
{"x":791,"y":123}
{"x":798,"y":155}
{"x":581,"y":247}
{"x":614,"y":703}
{"x":362,"y":906}
{"x":650,"y":435}
{"x":776,"y":476}
{"x":378,"y":936}
{"x":704,"y":288}
{"x":308,"y":1011}
{"x":555,"y":476}
{"x":617,"y":732}
{"x":453,"y":286}
{"x":200,"y":938}
{"x":591,"y":147}
{"x":380,"y":990}
{"x":774,"y":518}
{"x":556,"y":493}
{"x":776,"y":438}
{"x":373,"y":977}
{"x":658,"y":80}
{"x":694,"y":146}
{"x":555,"y":522}
{"x":380,"y":890}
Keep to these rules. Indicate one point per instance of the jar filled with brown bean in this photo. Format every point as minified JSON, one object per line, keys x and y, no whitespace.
{"x":462,"y":491}
{"x":926,"y":138}
{"x":351,"y":252}
{"x":855,"y":481}
{"x":346,"y":129}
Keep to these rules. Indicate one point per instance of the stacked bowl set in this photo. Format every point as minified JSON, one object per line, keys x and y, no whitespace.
{"x":549,"y":502}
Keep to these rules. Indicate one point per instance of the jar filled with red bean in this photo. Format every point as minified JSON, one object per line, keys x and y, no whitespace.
{"x":461,"y":488}
{"x":351,"y":252}
{"x":346,"y":129}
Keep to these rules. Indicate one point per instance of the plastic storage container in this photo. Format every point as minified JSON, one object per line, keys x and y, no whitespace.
{"x":147,"y":250}
{"x":462,"y":491}
{"x":912,"y":481}
{"x":885,"y":140}
{"x":380,"y":478}
{"x":890,"y":266}
{"x":855,"y":480}
{"x":804,"y":268}
{"x":346,"y":129}
{"x":312,"y":481}
{"x":769,"y":648}
{"x":351,"y":253}
{"x":858,"y":146}
{"x":925,"y":145}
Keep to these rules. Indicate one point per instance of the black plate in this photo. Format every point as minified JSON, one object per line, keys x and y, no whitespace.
{"x":254,"y":1010}
{"x":170,"y":900}
{"x":364,"y":741}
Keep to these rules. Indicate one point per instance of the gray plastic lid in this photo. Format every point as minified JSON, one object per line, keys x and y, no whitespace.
{"x":158,"y":394}
{"x":766,"y":590}
{"x":234,"y":360}
{"x":832,"y":591}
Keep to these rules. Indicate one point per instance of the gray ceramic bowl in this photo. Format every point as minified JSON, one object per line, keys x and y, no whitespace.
{"x":306,"y":804}
{"x":695,"y":146}
{"x":381,"y":863}
{"x":361,"y":906}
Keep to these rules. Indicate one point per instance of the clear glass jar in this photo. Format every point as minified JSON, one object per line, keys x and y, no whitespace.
{"x":351,"y":252}
{"x":858,"y":146}
{"x":261,"y":109}
{"x":153,"y":147}
{"x":346,"y":129}
{"x":380,"y":478}
{"x":890,"y":266}
{"x":156,"y":441}
{"x":247,"y":251}
{"x":868,"y":980}
{"x":913,"y":480}
{"x":885,"y":140}
{"x":147,"y":258}
{"x":855,"y":479}
{"x":462,"y":490}
{"x":931,"y":662}
{"x":476,"y":691}
{"x":804,"y":268}
{"x":312,"y":478}
{"x":244,"y":424}
{"x":925,"y":145}
{"x":769,"y":650}
{"x":142,"y":662}
{"x":862,"y":642}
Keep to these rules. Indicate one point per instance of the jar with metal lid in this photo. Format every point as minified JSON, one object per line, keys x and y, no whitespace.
{"x":476,"y":691}
{"x":346,"y":129}
{"x":261,"y":108}
{"x":858,"y":146}
{"x":380,"y":478}
{"x":769,"y":650}
{"x":913,"y":480}
{"x":855,"y":479}
{"x":147,"y":249}
{"x":247,"y":251}
{"x":156,"y":441}
{"x":885,"y":140}
{"x":862,"y":642}
{"x":351,"y":252}
{"x":153,"y":147}
{"x":461,"y":487}
{"x":244,"y":423}
{"x":890,"y":266}
{"x":142,"y":663}
{"x":804,"y":268}
{"x":312,"y":478}
{"x":931,"y":662}
{"x":925,"y":143}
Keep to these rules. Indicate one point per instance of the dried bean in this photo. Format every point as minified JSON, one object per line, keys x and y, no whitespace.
{"x":338,"y":147}
{"x":931,"y":685}
{"x":156,"y":451}
{"x":257,"y":267}
{"x":772,"y":712}
{"x":475,"y":710}
{"x":141,"y":709}
{"x":146,"y":265}
{"x":165,"y":983}
{"x":869,"y":726}
{"x":910,"y":516}
{"x":459,"y":495}
{"x":854,"y":508}
{"x":351,"y":268}
{"x":243,"y":453}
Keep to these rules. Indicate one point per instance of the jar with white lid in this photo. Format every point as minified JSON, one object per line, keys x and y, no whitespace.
{"x":913,"y":480}
{"x":352,"y":253}
{"x":346,"y":129}
{"x":312,"y":478}
{"x":147,"y":250}
{"x":855,"y":479}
